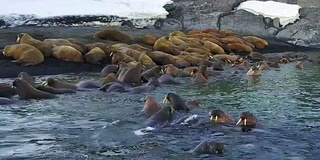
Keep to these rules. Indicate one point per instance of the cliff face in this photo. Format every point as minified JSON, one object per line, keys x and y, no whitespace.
{"x":200,"y":14}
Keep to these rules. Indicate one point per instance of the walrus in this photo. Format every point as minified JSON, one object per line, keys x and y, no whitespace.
{"x":25,"y":76}
{"x":254,"y":71}
{"x":118,"y":56}
{"x":7,"y":91}
{"x":140,"y":48}
{"x":209,"y":147}
{"x":177,"y":103}
{"x":114,"y":87}
{"x":153,"y":81}
{"x":111,"y":68}
{"x":167,"y":79}
{"x":256,"y":56}
{"x":214,"y":48}
{"x":67,"y":53}
{"x":180,"y":62}
{"x":152,"y":72}
{"x":247,"y":121}
{"x":199,"y":79}
{"x":194,"y":103}
{"x":80,"y":44}
{"x":219,"y":116}
{"x":163,"y":44}
{"x":274,"y":64}
{"x":241,"y":65}
{"x":263,"y":66}
{"x":62,"y":42}
{"x":42,"y":47}
{"x":299,"y":65}
{"x":54,"y":90}
{"x":203,"y":71}
{"x":23,"y":53}
{"x":132,"y":75}
{"x":88,"y":84}
{"x":26,"y":91}
{"x":6,"y":101}
{"x":259,"y":43}
{"x":146,"y":61}
{"x":174,"y":71}
{"x":177,"y":33}
{"x":240,"y":47}
{"x":114,"y":35}
{"x":111,"y":77}
{"x":176,"y":41}
{"x":141,"y":89}
{"x":149,"y":39}
{"x":94,"y":56}
{"x":135,"y":54}
{"x":58,"y":84}
{"x":150,"y":107}
{"x":122,"y":67}
{"x":107,"y":49}
{"x":162,"y":116}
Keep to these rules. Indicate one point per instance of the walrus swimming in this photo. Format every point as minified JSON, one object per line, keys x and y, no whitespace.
{"x":111,"y":77}
{"x":299,"y":65}
{"x":199,"y":79}
{"x":162,"y":116}
{"x":114,"y":87}
{"x":153,"y":81}
{"x":54,"y":90}
{"x":150,"y":107}
{"x":25,"y":76}
{"x":7,"y":91}
{"x":111,"y":68}
{"x":209,"y":147}
{"x":176,"y":102}
{"x":254,"y":71}
{"x":167,"y":79}
{"x":132,"y":75}
{"x":220,"y":116}
{"x":26,"y":91}
{"x":152,"y":72}
{"x":6,"y":101}
{"x":247,"y":121}
{"x":194,"y":103}
{"x":58,"y":84}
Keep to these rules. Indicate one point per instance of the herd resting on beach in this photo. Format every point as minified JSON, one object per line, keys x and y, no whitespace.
{"x":156,"y":61}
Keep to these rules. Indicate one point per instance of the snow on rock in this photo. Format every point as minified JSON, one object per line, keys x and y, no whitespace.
{"x":287,"y":13}
{"x":140,"y":12}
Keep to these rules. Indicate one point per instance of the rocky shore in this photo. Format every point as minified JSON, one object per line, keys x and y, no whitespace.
{"x":85,"y":34}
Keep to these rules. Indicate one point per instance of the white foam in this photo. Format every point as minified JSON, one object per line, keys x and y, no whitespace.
{"x":140,"y":132}
{"x":192,"y":117}
{"x":23,"y":10}
{"x":287,"y":13}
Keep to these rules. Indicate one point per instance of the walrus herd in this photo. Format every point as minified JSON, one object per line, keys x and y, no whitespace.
{"x":152,"y":63}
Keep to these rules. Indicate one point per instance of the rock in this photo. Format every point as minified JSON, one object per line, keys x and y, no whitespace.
{"x":241,"y":21}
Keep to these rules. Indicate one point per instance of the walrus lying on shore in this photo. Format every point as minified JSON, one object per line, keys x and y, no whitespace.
{"x":113,"y":35}
{"x":24,"y":53}
{"x":41,"y":46}
{"x":26,"y":91}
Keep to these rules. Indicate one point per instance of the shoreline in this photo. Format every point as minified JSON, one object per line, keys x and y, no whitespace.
{"x":84,"y":34}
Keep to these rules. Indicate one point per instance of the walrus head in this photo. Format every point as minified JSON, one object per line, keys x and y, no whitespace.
{"x":247,"y":119}
{"x":49,"y":82}
{"x":150,"y":107}
{"x":18,"y":82}
{"x":220,"y":116}
{"x":176,"y":102}
{"x":19,"y":36}
{"x":299,"y":65}
{"x":194,"y":103}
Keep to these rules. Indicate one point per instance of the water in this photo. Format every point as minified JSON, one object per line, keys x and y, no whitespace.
{"x":98,"y":125}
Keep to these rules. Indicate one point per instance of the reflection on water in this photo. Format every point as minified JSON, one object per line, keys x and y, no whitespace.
{"x":98,"y":125}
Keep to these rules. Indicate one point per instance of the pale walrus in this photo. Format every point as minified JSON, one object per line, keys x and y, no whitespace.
{"x":94,"y":56}
{"x":67,"y":53}
{"x":41,"y":46}
{"x":26,"y":91}
{"x":7,"y":91}
{"x":24,"y":53}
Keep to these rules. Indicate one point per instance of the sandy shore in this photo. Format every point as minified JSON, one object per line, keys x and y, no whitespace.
{"x":53,"y":66}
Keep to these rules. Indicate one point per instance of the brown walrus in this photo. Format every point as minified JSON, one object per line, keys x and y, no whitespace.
{"x":113,"y":35}
{"x":23,"y":53}
{"x":194,"y":103}
{"x":152,"y":72}
{"x":58,"y":84}
{"x":54,"y":90}
{"x":247,"y":121}
{"x":94,"y":56}
{"x":26,"y":91}
{"x":62,"y":42}
{"x":150,"y":107}
{"x":177,"y":103}
{"x":299,"y":65}
{"x":256,"y":41}
{"x":254,"y":71}
{"x":111,"y":77}
{"x":67,"y":53}
{"x":220,"y":116}
{"x":7,"y":91}
{"x":162,"y":116}
{"x":149,"y":39}
{"x":132,"y":75}
{"x":25,"y":76}
{"x":111,"y":68}
{"x":42,"y":47}
{"x":199,"y":79}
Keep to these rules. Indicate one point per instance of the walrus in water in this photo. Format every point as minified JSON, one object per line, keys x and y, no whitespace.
{"x":26,"y":91}
{"x":152,"y":72}
{"x":219,"y":116}
{"x":199,"y":79}
{"x":150,"y":107}
{"x":132,"y":75}
{"x":177,"y":103}
{"x":114,"y":87}
{"x":247,"y":121}
{"x":254,"y":71}
{"x":6,"y":101}
{"x":111,"y":77}
{"x":54,"y":90}
{"x":167,"y":79}
{"x":58,"y":84}
{"x":209,"y":147}
{"x":153,"y":81}
{"x":7,"y":91}
{"x":194,"y":103}
{"x":25,"y":76}
{"x":299,"y":65}
{"x":111,"y":68}
{"x":263,"y":66}
{"x":162,"y":116}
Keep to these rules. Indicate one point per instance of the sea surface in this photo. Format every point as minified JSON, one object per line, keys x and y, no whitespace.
{"x":99,"y":125}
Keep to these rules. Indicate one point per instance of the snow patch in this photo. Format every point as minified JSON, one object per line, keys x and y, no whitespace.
{"x":18,"y":12}
{"x":287,"y":13}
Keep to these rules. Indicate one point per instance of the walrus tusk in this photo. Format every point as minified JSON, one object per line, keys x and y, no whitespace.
{"x":111,"y":54}
{"x":228,"y":60}
{"x":238,"y":121}
{"x":45,"y":83}
{"x":162,"y":71}
{"x":165,"y":100}
{"x":216,"y":119}
{"x":18,"y":40}
{"x":245,"y":121}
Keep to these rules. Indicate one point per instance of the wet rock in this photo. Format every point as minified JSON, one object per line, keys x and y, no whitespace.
{"x":241,"y":22}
